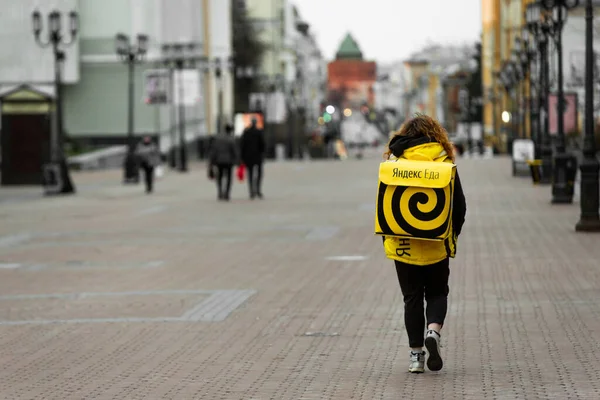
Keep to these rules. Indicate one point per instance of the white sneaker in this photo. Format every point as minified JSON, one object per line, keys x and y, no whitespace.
{"x":417,"y":362}
{"x":432,"y":344}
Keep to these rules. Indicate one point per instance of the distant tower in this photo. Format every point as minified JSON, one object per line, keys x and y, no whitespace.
{"x":350,"y":78}
{"x":349,"y":49}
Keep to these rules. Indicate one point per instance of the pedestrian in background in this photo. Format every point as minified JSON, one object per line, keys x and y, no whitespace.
{"x":222,"y":157}
{"x":149,"y":158}
{"x":252,"y":146}
{"x":423,"y":272}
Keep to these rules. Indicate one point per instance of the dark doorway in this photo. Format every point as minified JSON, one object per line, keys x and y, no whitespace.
{"x":25,"y":137}
{"x":25,"y":148}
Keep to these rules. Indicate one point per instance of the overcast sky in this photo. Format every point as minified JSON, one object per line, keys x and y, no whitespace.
{"x":390,"y":30}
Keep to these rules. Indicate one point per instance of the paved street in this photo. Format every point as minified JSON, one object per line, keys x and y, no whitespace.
{"x":113,"y":294}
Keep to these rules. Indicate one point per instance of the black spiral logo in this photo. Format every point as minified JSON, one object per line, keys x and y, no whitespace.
{"x":402,"y":206}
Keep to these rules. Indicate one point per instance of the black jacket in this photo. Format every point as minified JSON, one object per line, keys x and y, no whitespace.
{"x":459,"y":210}
{"x":252,"y":146}
{"x":223,"y":150}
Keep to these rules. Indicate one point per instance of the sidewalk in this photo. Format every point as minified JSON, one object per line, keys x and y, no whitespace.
{"x":113,"y":294}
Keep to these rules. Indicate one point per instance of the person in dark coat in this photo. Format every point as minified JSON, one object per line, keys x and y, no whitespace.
{"x":252,"y":151}
{"x":223,"y":156}
{"x":149,"y":157}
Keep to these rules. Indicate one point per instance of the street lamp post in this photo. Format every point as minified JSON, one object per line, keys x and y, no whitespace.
{"x":513,"y":79}
{"x":528,"y":63}
{"x":219,"y":76}
{"x":506,"y":116}
{"x":56,"y":40}
{"x":508,"y":79}
{"x":590,"y":168}
{"x":221,"y":65}
{"x":244,"y":75}
{"x":522,"y":71}
{"x":465,"y":105}
{"x":540,"y":27}
{"x":562,"y":189}
{"x":178,"y":56}
{"x":131,"y":54}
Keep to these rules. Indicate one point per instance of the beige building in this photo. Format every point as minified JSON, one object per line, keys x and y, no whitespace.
{"x":424,"y":74}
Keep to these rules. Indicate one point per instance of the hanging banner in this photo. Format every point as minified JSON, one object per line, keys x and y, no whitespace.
{"x":158,"y":86}
{"x":189,"y":82}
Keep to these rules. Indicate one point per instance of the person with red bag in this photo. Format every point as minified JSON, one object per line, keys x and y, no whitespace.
{"x":241,"y":172}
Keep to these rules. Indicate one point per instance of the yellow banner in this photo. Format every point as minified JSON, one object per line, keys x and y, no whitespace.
{"x":26,"y":108}
{"x":428,"y":174}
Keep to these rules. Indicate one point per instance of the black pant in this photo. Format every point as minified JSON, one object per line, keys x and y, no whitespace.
{"x":224,"y":172}
{"x":418,"y":282}
{"x":148,"y":176}
{"x":255,"y":178}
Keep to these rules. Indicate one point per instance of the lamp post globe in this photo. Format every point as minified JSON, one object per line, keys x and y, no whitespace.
{"x":54,"y":22}
{"x":533,"y":14}
{"x":73,"y":23}
{"x":36,"y":19}
{"x":142,"y":44}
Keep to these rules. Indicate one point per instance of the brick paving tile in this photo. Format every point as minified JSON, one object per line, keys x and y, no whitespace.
{"x":113,"y":294}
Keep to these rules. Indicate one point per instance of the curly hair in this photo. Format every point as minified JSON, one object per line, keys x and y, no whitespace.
{"x":423,"y":125}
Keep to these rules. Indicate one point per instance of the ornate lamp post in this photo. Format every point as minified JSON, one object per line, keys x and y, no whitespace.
{"x":562,"y":189}
{"x":218,"y":65}
{"x":506,"y":116}
{"x":540,"y":27}
{"x":508,"y":79}
{"x":521,"y":69}
{"x":131,"y":54}
{"x":589,"y":221}
{"x":512,"y":79}
{"x":528,"y":63}
{"x":56,"y":39}
{"x":219,"y":76}
{"x":244,"y":76}
{"x":179,"y":56}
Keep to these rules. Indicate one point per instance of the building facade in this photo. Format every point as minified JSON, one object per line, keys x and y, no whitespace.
{"x":351,"y":79}
{"x":292,"y":72}
{"x":311,"y":72}
{"x":389,"y":89}
{"x":502,"y":22}
{"x":427,"y":75}
{"x":95,"y":80}
{"x":275,"y":23}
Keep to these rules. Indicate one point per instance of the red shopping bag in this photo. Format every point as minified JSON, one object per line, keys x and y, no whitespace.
{"x":241,"y":172}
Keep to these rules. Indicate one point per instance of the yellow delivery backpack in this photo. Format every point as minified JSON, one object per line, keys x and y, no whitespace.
{"x":414,"y":199}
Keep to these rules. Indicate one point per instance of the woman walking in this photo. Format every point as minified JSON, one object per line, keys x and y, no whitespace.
{"x":422,"y":266}
{"x":149,"y":157}
{"x":223,"y":156}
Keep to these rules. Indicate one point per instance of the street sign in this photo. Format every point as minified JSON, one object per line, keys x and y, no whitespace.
{"x":186,"y":88}
{"x":158,"y":86}
{"x":523,"y":150}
